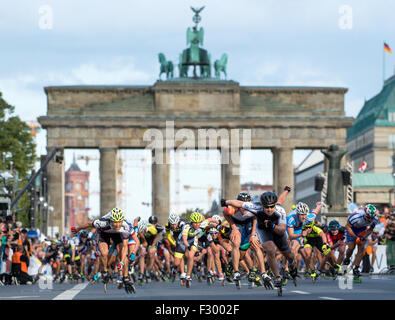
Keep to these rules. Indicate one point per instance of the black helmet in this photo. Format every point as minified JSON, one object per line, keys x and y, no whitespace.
{"x":153,"y":219}
{"x":334,"y":225}
{"x":244,"y":196}
{"x":268,"y":198}
{"x":84,"y":234}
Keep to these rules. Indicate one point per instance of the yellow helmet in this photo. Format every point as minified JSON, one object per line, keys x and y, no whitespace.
{"x":226,"y":224}
{"x":117,"y":215}
{"x":196,"y":217}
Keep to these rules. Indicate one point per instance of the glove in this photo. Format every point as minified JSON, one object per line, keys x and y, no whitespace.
{"x":132,"y":257}
{"x":325,"y":249}
{"x":270,"y":225}
{"x":223,"y":203}
{"x":119,"y":266}
{"x":286,"y":188}
{"x":360,"y":239}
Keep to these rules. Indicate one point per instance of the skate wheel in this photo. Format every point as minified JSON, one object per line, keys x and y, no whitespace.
{"x":279,"y":292}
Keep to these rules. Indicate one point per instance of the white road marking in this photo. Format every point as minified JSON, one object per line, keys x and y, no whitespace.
{"x":70,"y":294}
{"x":19,"y":297}
{"x":330,"y":298}
{"x":301,"y":292}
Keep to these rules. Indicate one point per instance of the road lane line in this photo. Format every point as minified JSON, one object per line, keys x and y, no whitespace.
{"x":70,"y":294}
{"x":330,"y":298}
{"x":301,"y":292}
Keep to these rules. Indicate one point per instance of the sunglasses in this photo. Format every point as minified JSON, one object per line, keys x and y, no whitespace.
{"x":271,"y":207}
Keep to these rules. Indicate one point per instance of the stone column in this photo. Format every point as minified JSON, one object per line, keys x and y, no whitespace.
{"x":108,"y":179}
{"x":230,"y":176}
{"x":285,"y":175}
{"x":56,"y":191}
{"x":275,"y":169}
{"x":160,"y":186}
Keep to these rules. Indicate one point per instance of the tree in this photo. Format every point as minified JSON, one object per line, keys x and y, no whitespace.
{"x":17,"y":142}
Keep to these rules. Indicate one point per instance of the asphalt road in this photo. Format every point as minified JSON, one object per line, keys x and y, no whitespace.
{"x":373,"y":287}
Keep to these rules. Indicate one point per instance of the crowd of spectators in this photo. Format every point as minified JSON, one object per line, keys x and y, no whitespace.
{"x":20,"y":255}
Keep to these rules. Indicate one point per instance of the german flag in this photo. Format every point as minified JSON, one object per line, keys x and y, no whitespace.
{"x":387,"y":48}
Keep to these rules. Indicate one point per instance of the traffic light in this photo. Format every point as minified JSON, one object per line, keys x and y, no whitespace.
{"x":319,"y":181}
{"x":346,"y":176}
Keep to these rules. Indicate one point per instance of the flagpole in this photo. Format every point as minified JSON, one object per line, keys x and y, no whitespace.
{"x":383,"y":63}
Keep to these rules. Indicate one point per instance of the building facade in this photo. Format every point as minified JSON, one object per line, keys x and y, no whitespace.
{"x":255,"y":189}
{"x":76,"y":196}
{"x":304,"y":177}
{"x":371,"y":139}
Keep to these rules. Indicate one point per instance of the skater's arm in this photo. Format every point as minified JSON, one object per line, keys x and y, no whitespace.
{"x":292,"y":235}
{"x":283,"y":195}
{"x":234,"y":203}
{"x":349,"y":230}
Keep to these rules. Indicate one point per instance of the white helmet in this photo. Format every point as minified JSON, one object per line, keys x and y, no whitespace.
{"x":173,"y":218}
{"x":216,"y":217}
{"x":142,"y":225}
{"x":302,"y":208}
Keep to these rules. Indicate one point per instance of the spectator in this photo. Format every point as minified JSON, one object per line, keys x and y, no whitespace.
{"x":6,"y":253}
{"x":17,"y":232}
{"x":389,"y":234}
{"x":19,"y":266}
{"x":26,"y":243}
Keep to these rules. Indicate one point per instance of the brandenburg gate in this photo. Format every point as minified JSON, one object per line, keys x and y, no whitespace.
{"x":109,"y":118}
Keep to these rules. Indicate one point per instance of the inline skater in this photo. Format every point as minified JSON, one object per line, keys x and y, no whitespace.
{"x":141,"y":254}
{"x":52,"y":256}
{"x":187,"y":244}
{"x":314,"y":237}
{"x":111,"y":227}
{"x":206,"y":247}
{"x":359,"y":226}
{"x":335,"y":237}
{"x":152,"y":237}
{"x":173,"y":229}
{"x":68,"y":251}
{"x":295,"y":221}
{"x":269,"y":228}
{"x":241,"y":222}
{"x":81,"y":245}
{"x":373,"y":241}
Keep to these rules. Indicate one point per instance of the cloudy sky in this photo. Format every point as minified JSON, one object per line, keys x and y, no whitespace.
{"x":279,"y":43}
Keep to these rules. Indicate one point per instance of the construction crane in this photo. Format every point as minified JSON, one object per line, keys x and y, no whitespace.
{"x":209,"y":191}
{"x":33,"y":124}
{"x":87,"y":159}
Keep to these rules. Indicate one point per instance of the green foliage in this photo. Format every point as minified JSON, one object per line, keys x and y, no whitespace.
{"x":16,"y":140}
{"x":18,"y":144}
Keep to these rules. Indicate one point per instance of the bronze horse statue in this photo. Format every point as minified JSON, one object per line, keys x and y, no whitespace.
{"x":165,"y":67}
{"x":220,"y":65}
